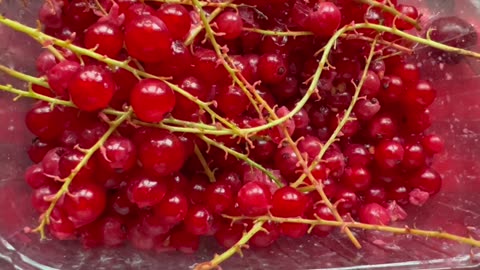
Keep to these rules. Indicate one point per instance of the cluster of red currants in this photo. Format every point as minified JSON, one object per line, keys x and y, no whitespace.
{"x":148,"y":185}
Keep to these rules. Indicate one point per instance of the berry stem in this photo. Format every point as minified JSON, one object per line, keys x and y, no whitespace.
{"x":202,"y":3}
{"x":30,"y":94}
{"x":204,"y":163}
{"x":36,"y":34}
{"x":45,"y":219}
{"x":24,"y":77}
{"x":396,"y":230}
{"x":224,"y":58}
{"x":194,"y":33}
{"x":196,"y":127}
{"x":331,"y":140}
{"x":55,"y":53}
{"x":346,"y":36}
{"x":217,"y":260}
{"x":416,"y":39}
{"x":393,"y":11}
{"x":344,"y":120}
{"x":39,"y":36}
{"x":241,"y":157}
{"x":205,"y":107}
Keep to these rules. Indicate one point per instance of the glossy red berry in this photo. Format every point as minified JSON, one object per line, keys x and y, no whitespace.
{"x":293,"y":230}
{"x":51,"y":161}
{"x":253,"y":199}
{"x":219,"y":197}
{"x":119,"y":154}
{"x":172,"y":209}
{"x":105,"y":37}
{"x":374,"y":214}
{"x":45,"y":61}
{"x":375,"y":194}
{"x":426,"y":179}
{"x":151,"y":100}
{"x":323,"y":212}
{"x":92,"y":88}
{"x":324,"y":20}
{"x":68,"y":163}
{"x":420,"y":95}
{"x":288,"y":202}
{"x":85,"y":203}
{"x":176,"y":18}
{"x":161,"y":152}
{"x":146,"y":190}
{"x":35,"y":177}
{"x":272,"y":68}
{"x":383,"y":126}
{"x":433,"y":144}
{"x":348,"y":202}
{"x":45,"y":122}
{"x":198,"y":220}
{"x":41,"y":197}
{"x":50,"y":14}
{"x":147,"y":39}
{"x":389,"y":154}
{"x":79,"y":15}
{"x":138,"y":10}
{"x":232,"y":101}
{"x":414,"y":157}
{"x":229,"y":24}
{"x":357,"y":178}
{"x":60,"y":226}
{"x":60,"y":75}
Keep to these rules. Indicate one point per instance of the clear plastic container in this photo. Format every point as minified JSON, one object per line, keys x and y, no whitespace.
{"x":456,"y":209}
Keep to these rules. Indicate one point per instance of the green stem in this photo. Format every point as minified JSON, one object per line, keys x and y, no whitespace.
{"x":24,"y":77}
{"x":217,"y":260}
{"x":224,"y":58}
{"x":31,"y":94}
{"x":39,"y":36}
{"x":45,"y":220}
{"x":241,"y":156}
{"x":204,"y":163}
{"x":369,"y":227}
{"x":194,"y":33}
{"x":345,"y":119}
{"x":393,"y":11}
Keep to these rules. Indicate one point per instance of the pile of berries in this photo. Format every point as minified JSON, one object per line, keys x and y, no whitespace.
{"x":164,"y":178}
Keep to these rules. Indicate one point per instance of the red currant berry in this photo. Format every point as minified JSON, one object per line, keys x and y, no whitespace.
{"x":219,"y":197}
{"x":272,"y":68}
{"x":85,"y":203}
{"x":254,"y":199}
{"x":151,"y":100}
{"x":161,"y":152}
{"x":374,"y":214}
{"x":325,"y":20}
{"x":92,"y":88}
{"x":105,"y":37}
{"x":230,"y":24}
{"x":146,"y":190}
{"x":119,"y":155}
{"x":147,"y":39}
{"x":176,"y":18}
{"x":172,"y":209}
{"x":288,"y":202}
{"x":198,"y":220}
